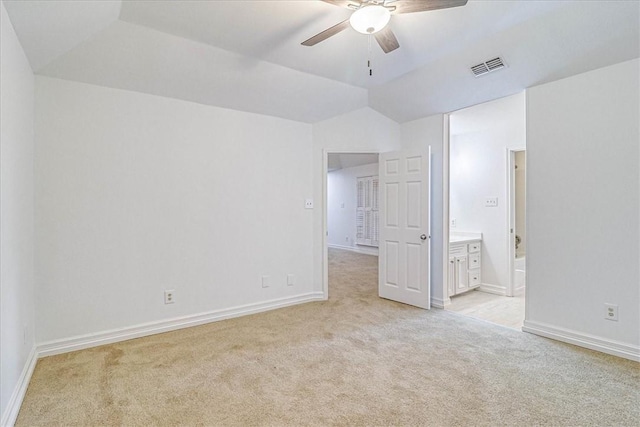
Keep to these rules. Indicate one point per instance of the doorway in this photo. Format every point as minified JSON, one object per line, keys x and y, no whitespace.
{"x":402,"y":226}
{"x":517,"y":160}
{"x":351,"y":209}
{"x":481,"y":274}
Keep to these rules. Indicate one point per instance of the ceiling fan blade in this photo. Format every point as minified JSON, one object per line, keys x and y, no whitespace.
{"x":344,"y":3}
{"x":327,"y":33}
{"x":411,"y":6}
{"x":387,"y":40}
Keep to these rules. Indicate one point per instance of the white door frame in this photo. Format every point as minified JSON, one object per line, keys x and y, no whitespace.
{"x":446,"y":141}
{"x":325,"y":230}
{"x":511,"y":215}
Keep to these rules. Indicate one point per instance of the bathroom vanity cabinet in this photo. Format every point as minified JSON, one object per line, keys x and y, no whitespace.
{"x":465,"y":261}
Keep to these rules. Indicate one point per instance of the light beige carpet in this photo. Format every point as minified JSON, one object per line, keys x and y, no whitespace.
{"x":353,"y":360}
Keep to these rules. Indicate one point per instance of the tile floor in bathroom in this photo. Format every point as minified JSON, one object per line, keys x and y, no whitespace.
{"x":505,"y":311}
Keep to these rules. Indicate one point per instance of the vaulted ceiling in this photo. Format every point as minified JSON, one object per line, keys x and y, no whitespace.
{"x":247,"y":55}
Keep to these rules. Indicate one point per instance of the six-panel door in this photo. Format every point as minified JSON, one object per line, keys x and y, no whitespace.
{"x":404,"y":248}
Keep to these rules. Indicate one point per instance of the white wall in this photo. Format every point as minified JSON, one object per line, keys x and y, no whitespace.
{"x":480,"y":136}
{"x":138,"y":193}
{"x":419,"y":134}
{"x":341,"y":206}
{"x":360,"y":131}
{"x":16,"y":213}
{"x":583,"y":208}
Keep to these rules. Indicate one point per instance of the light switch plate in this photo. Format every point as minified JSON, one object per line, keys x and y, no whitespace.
{"x":491,"y":202}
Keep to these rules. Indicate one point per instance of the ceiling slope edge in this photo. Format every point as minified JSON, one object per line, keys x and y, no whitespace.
{"x":47,"y":30}
{"x":137,"y":58}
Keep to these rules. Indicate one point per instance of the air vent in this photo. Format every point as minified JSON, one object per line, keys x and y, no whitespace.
{"x":487,"y":67}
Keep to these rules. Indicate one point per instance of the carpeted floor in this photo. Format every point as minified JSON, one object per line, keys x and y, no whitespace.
{"x":353,"y":360}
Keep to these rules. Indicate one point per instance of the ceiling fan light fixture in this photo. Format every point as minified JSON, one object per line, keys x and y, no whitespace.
{"x":370,"y":19}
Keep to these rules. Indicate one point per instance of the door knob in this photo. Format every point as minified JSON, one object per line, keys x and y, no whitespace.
{"x":423,"y":237}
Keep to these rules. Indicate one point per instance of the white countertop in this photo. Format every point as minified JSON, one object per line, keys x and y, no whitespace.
{"x":464,"y":237}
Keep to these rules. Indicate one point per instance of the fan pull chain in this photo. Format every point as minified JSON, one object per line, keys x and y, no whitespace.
{"x":369,"y":55}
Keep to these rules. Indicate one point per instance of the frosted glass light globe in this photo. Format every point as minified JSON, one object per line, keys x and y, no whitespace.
{"x":370,"y":19}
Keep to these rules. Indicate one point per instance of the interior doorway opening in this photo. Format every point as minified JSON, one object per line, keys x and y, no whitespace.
{"x":517,"y":160}
{"x":394,"y":211}
{"x":482,"y":218}
{"x":351,"y":208}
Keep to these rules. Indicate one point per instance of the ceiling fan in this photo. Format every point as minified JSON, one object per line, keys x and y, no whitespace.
{"x":372,"y":17}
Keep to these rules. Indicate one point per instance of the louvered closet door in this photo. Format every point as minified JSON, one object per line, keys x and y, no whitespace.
{"x":404,"y":254}
{"x":360,"y":211}
{"x":367,"y":211}
{"x":375,"y":215}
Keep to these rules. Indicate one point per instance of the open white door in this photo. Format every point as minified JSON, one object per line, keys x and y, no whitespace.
{"x":404,"y":252}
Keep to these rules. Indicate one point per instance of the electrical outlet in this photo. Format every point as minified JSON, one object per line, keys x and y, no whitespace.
{"x":346,"y":239}
{"x":308,"y":204}
{"x":169,"y":296}
{"x":611,"y":312}
{"x":265,"y":281}
{"x":291,"y":279}
{"x":453,"y":223}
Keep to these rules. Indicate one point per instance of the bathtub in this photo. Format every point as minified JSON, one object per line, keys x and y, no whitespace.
{"x":519,"y":277}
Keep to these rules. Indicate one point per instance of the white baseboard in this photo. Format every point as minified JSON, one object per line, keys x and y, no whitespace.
{"x":355,"y":249}
{"x":108,"y":337}
{"x":493,"y":289}
{"x":583,"y":340}
{"x":10,"y":414}
{"x":77,"y":343}
{"x":439,"y":302}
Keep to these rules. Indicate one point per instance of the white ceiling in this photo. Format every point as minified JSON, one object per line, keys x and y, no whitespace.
{"x":247,"y":55}
{"x":337,"y":161}
{"x":47,"y":29}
